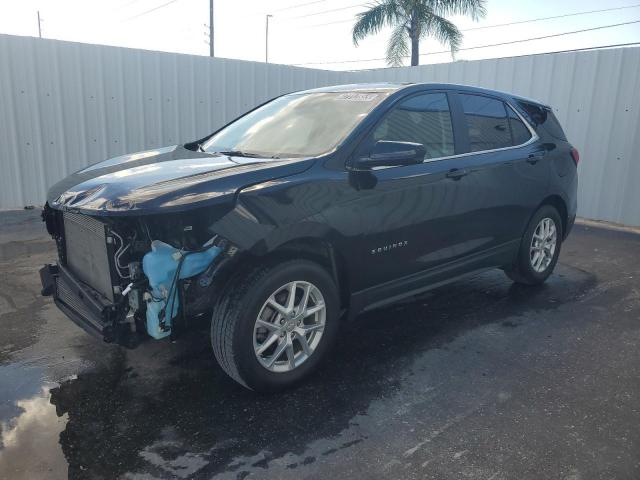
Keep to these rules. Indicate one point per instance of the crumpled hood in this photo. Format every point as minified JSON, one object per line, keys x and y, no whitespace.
{"x":166,"y":179}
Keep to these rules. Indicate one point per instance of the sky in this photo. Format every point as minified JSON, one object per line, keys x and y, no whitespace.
{"x":310,"y":33}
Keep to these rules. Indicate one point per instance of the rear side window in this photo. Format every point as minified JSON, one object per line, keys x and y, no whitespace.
{"x":486,"y":120}
{"x":552,"y":125}
{"x":519,"y":132}
{"x":421,"y":119}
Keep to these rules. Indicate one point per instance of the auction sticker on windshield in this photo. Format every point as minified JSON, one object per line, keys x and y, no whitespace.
{"x":358,"y":97}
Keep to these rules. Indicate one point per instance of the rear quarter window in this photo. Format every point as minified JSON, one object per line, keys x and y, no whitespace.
{"x":540,"y":116}
{"x":552,"y":125}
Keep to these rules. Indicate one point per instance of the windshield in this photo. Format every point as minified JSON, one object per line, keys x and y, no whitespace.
{"x":296,"y":125}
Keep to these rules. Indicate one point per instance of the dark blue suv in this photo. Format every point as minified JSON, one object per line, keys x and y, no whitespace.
{"x":306,"y":211}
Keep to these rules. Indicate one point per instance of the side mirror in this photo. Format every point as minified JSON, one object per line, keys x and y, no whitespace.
{"x":392,"y":154}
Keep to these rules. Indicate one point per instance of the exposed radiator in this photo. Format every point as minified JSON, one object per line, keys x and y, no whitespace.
{"x":66,"y":294}
{"x":86,"y":252}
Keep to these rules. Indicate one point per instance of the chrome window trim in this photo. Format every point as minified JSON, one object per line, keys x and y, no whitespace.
{"x":534,"y":138}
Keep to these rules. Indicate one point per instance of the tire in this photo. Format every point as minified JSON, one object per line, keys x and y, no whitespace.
{"x":237,"y":335}
{"x":528,"y":269}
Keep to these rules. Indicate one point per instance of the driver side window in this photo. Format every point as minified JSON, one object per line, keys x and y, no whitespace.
{"x":421,"y":119}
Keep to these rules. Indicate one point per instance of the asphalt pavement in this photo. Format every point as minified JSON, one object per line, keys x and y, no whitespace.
{"x":482,"y":379}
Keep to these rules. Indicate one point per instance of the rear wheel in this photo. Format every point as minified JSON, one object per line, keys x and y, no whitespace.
{"x":274,"y":325}
{"x":539,"y":248}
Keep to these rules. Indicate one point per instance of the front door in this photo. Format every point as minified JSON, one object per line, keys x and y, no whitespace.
{"x":415,"y":217}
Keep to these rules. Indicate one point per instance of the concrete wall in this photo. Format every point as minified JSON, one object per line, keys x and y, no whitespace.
{"x":65,"y":105}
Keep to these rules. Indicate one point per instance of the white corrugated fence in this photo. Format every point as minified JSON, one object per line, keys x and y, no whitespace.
{"x":595,"y":95}
{"x":65,"y":105}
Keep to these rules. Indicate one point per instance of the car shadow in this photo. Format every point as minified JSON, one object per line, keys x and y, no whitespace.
{"x":130,"y":417}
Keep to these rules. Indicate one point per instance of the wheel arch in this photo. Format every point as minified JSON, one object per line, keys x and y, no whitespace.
{"x":318,"y":250}
{"x":264,"y":239}
{"x":560,"y":205}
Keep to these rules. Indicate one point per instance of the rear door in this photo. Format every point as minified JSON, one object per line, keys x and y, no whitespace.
{"x":510,"y":172}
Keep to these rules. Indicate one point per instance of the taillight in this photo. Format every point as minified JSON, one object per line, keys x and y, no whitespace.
{"x":575,"y":155}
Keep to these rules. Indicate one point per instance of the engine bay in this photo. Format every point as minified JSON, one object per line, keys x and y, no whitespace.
{"x":151,"y":272}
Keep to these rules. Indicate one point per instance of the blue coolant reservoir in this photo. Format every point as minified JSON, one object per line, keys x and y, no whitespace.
{"x":160,"y":265}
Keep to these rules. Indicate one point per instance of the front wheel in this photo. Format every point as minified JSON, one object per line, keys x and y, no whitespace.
{"x":275,"y":324}
{"x":539,"y":248}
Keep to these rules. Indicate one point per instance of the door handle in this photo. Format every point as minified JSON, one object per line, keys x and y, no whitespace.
{"x":457,"y":173}
{"x":535,"y":157}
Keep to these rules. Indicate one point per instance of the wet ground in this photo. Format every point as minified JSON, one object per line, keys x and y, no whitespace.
{"x":481,"y":379}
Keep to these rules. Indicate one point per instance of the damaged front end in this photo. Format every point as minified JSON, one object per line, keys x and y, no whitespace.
{"x":128,"y":278}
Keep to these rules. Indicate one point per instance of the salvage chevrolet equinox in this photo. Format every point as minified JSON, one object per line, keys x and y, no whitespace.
{"x":306,"y":211}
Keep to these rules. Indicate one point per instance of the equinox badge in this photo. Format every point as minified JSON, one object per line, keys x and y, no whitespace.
{"x":389,"y":247}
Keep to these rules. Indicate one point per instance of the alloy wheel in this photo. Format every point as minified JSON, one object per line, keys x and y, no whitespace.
{"x":543,"y":245}
{"x":289,"y":326}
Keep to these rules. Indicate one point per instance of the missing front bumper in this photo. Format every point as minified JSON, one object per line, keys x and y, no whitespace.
{"x":85,"y":307}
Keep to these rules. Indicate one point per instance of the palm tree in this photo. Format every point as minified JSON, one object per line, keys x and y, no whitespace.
{"x":413,"y":20}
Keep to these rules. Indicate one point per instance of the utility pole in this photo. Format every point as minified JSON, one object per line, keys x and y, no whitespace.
{"x":266,"y":40}
{"x":211,"y":51}
{"x":39,"y":25}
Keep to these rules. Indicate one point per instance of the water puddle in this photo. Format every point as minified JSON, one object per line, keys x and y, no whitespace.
{"x":30,"y":428}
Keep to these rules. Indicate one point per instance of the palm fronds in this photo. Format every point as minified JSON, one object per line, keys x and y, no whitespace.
{"x":380,"y":14}
{"x":397,"y":48}
{"x":413,"y":20}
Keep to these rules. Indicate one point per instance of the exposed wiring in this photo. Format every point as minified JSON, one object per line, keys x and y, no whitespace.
{"x":146,"y":229}
{"x":176,"y":277}
{"x":170,"y":300}
{"x":118,"y":254}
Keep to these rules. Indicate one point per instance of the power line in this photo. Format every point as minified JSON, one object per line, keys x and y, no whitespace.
{"x":328,"y":11}
{"x":551,"y":18}
{"x":597,"y":47}
{"x":130,"y":2}
{"x":313,"y":25}
{"x":298,"y":6}
{"x":312,"y":14}
{"x":583,"y":49}
{"x":151,"y":10}
{"x":330,"y":23}
{"x":500,"y":24}
{"x":483,"y":46}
